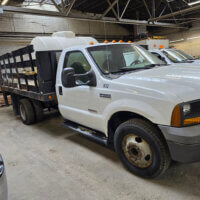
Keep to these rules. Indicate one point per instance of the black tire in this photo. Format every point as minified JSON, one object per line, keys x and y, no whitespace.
{"x":38,"y":109}
{"x":157,"y":162}
{"x":26,"y":112}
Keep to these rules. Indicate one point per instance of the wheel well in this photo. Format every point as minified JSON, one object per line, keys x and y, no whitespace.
{"x":120,"y":117}
{"x":15,"y":102}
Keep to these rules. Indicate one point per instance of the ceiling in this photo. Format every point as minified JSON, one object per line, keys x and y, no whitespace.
{"x":136,"y":8}
{"x":176,"y":12}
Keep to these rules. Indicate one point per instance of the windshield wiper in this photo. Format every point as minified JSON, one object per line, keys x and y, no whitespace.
{"x":185,"y":61}
{"x":189,"y":61}
{"x":132,"y":69}
{"x":153,"y":65}
{"x":136,"y":68}
{"x":126,"y":69}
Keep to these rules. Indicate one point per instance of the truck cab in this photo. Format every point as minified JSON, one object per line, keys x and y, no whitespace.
{"x":119,"y":90}
{"x":94,"y":97}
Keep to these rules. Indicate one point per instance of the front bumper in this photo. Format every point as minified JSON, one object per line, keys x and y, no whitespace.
{"x":183,"y":143}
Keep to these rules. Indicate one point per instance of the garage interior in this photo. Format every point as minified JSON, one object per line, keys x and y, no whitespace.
{"x":48,"y":161}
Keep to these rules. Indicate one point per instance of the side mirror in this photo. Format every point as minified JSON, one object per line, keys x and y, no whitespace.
{"x":68,"y":78}
{"x":163,"y":59}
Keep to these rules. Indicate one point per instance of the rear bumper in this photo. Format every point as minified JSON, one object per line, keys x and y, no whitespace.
{"x":183,"y":143}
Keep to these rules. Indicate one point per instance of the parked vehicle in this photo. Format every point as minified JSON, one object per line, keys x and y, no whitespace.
{"x":155,"y":42}
{"x":174,"y":56}
{"x":117,"y":94}
{"x":159,"y":46}
{"x":3,"y":181}
{"x":187,"y":56}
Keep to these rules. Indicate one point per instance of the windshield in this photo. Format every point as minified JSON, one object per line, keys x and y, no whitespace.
{"x":185,"y":55}
{"x":122,"y":57}
{"x":175,"y":56}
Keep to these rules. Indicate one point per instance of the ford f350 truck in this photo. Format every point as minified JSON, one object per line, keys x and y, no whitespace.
{"x":117,"y":94}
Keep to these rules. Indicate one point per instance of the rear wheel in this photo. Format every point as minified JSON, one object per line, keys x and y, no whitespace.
{"x":26,"y":112}
{"x":141,"y":148}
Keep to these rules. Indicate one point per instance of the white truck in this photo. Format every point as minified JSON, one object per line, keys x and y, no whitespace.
{"x":117,"y":94}
{"x":154,"y":43}
{"x":160,"y":47}
{"x":174,"y":56}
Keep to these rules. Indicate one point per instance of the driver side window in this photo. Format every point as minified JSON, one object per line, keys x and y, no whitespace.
{"x":79,"y":63}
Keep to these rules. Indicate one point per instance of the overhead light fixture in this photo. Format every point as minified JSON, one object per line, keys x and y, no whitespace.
{"x":4,"y":2}
{"x":193,"y":3}
{"x":173,"y":41}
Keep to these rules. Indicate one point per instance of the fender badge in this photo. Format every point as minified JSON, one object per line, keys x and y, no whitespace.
{"x":105,"y":96}
{"x":105,"y":85}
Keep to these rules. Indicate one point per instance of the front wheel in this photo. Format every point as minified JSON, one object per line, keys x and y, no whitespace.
{"x":141,"y":148}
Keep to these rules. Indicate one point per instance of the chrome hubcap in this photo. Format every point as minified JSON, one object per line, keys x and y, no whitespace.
{"x":137,"y":151}
{"x":22,"y":112}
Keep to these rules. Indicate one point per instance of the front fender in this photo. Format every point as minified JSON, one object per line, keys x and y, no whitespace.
{"x":151,"y":111}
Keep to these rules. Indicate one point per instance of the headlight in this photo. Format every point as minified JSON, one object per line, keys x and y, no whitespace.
{"x":186,"y":114}
{"x":186,"y":109}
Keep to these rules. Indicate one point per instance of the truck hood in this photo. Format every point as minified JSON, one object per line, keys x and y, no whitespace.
{"x":181,"y":81}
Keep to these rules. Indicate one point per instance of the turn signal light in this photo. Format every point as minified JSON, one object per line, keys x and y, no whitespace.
{"x":176,"y":117}
{"x":129,"y":41}
{"x":120,"y":41}
{"x":114,"y":41}
{"x":106,"y":41}
{"x":190,"y":121}
{"x":161,"y":46}
{"x":91,"y":43}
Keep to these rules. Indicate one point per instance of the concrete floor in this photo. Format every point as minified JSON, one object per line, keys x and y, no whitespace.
{"x":48,"y":162}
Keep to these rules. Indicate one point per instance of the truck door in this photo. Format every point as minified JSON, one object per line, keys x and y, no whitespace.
{"x":76,"y":103}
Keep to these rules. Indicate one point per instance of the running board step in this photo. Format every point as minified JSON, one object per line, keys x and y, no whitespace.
{"x":90,"y":134}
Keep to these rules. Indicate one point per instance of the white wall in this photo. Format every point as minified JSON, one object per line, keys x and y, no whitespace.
{"x":189,"y":45}
{"x":8,"y":46}
{"x":32,"y":24}
{"x":42,"y":24}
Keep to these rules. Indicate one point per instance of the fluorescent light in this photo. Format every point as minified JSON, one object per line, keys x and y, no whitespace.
{"x":193,"y":3}
{"x":176,"y":40}
{"x":4,"y":2}
{"x":192,"y":38}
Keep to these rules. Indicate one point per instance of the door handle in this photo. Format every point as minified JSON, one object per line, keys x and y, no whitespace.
{"x":60,"y":90}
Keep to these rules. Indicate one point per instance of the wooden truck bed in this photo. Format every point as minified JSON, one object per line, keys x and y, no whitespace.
{"x":30,"y":74}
